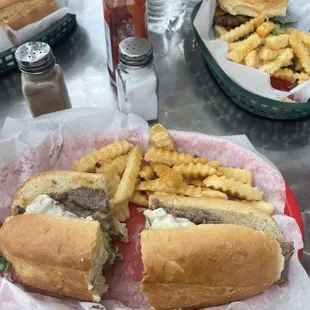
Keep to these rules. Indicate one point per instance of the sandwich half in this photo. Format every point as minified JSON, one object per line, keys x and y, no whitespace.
{"x":212,"y":210}
{"x":83,"y":194}
{"x":58,"y":255}
{"x":59,"y":237}
{"x":207,"y":265}
{"x":224,"y":251}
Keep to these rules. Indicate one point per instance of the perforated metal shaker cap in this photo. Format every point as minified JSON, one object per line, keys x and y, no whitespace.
{"x":136,"y":52}
{"x":35,"y":57}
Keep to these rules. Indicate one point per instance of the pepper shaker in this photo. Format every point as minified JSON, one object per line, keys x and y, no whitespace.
{"x":43,"y":83}
{"x":136,"y":79}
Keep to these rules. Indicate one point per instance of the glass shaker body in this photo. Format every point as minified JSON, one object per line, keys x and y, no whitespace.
{"x":45,"y":92}
{"x":43,"y":82}
{"x":137,"y":90}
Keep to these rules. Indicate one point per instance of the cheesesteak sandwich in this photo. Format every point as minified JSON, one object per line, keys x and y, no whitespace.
{"x":222,"y":251}
{"x":66,"y":222}
{"x":69,"y":193}
{"x":60,"y":255}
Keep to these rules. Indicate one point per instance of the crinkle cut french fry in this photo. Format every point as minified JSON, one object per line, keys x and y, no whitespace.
{"x":219,"y":30}
{"x":287,"y":99}
{"x":111,"y":151}
{"x":265,"y":28}
{"x":171,"y":158}
{"x":120,"y":163}
{"x":301,"y":82}
{"x":139,"y":199}
{"x":110,"y":173}
{"x":75,"y":165}
{"x":259,"y":19}
{"x":129,"y":179}
{"x":294,"y":33}
{"x":147,"y":173}
{"x":298,"y":66}
{"x":298,"y":36}
{"x":243,"y":30}
{"x":302,"y":76}
{"x":207,"y":192}
{"x":161,"y":138}
{"x":159,"y":186}
{"x":285,"y":74}
{"x":277,"y":42}
{"x":280,"y":62}
{"x":249,"y":44}
{"x":251,"y":59}
{"x":238,"y":32}
{"x":214,"y":163}
{"x":243,"y":175}
{"x":113,"y":180}
{"x":195,"y":182}
{"x":234,"y":188}
{"x":302,"y":54}
{"x":121,"y":211}
{"x":233,"y":45}
{"x":261,"y":205}
{"x":306,"y":38}
{"x":168,"y":175}
{"x":194,"y":170}
{"x":267,"y":53}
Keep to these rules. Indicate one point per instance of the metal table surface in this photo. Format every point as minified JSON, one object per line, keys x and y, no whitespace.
{"x":189,"y":98}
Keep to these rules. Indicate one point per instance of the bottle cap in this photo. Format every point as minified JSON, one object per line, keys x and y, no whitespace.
{"x":135,"y":52}
{"x":35,"y":57}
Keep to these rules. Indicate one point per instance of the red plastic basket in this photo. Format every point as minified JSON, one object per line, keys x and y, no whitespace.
{"x":292,"y":210}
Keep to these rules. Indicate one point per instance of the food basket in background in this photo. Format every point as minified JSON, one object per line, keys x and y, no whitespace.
{"x":51,"y":35}
{"x":250,"y":102}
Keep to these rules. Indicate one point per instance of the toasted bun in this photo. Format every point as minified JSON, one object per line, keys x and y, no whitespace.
{"x":219,"y":210}
{"x":61,"y":255}
{"x":56,"y":182}
{"x":254,"y":7}
{"x":218,"y":265}
{"x":20,"y":13}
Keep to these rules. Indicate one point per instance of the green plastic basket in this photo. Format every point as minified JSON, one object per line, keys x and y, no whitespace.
{"x":252,"y":103}
{"x":51,"y":36}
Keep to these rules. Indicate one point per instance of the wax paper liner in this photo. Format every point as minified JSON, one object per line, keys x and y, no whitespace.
{"x":52,"y":141}
{"x":10,"y":37}
{"x":250,"y":79}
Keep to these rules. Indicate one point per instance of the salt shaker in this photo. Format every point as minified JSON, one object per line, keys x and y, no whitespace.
{"x":136,"y":79}
{"x":43,"y":83}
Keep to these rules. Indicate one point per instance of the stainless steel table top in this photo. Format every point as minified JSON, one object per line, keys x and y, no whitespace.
{"x":189,"y":98}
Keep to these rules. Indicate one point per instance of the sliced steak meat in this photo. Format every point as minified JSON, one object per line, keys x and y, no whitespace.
{"x":18,"y":210}
{"x":155,"y":204}
{"x":85,"y":202}
{"x":287,"y":252}
{"x":90,"y":199}
{"x":84,"y":198}
{"x":76,"y":208}
{"x":195,"y":216}
{"x":230,"y":21}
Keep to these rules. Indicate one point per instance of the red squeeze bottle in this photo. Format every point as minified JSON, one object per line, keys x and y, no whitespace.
{"x":123,"y":19}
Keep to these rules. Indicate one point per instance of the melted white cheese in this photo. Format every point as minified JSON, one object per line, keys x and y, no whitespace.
{"x":160,"y":219}
{"x":44,"y":204}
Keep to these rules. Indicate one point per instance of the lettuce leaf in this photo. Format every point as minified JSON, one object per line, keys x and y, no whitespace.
{"x":4,"y":265}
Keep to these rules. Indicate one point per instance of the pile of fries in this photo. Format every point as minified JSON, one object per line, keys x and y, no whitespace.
{"x":132,"y":178}
{"x":259,"y":44}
